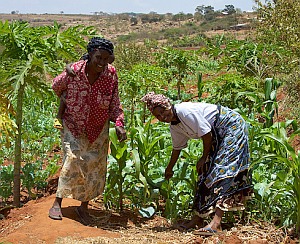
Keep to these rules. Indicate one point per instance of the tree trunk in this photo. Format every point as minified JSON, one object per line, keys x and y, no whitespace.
{"x":18,"y":149}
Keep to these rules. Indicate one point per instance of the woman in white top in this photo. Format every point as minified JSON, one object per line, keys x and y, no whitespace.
{"x":224,"y":181}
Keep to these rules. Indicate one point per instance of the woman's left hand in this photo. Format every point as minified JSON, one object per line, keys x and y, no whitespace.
{"x":121,"y":133}
{"x":168,"y":173}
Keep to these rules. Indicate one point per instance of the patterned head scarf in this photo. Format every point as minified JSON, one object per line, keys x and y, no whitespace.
{"x":100,"y":43}
{"x":153,"y":100}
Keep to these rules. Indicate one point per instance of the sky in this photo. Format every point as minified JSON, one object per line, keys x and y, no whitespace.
{"x":117,"y":6}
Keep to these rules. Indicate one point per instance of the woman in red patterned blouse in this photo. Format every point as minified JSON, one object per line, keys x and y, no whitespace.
{"x":92,"y":100}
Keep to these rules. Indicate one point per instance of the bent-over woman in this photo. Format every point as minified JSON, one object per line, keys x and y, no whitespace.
{"x":224,"y":180}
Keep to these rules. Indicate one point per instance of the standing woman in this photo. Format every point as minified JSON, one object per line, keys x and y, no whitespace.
{"x":224,"y":180}
{"x":91,"y":100}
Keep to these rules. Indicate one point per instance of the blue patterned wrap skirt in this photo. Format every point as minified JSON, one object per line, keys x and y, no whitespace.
{"x":226,"y":179}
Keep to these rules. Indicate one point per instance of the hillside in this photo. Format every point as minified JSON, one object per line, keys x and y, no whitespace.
{"x":137,"y":28}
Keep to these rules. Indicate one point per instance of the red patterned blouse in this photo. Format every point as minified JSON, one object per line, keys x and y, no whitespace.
{"x":88,"y":106}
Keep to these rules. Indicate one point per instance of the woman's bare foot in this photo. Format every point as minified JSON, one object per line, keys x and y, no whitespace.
{"x":84,"y":216}
{"x":215,"y":225}
{"x":212,"y":227}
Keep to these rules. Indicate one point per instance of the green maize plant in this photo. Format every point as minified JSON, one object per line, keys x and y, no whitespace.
{"x":200,"y":86}
{"x":117,"y":171}
{"x":134,"y":172}
{"x":151,"y":153}
{"x":281,"y":187}
{"x":148,"y":142}
{"x":263,"y":104}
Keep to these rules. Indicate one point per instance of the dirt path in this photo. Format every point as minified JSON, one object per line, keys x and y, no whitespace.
{"x":31,"y":224}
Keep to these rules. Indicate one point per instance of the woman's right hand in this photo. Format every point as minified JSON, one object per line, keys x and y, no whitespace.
{"x":200,"y":165}
{"x":169,"y":170}
{"x":70,"y":71}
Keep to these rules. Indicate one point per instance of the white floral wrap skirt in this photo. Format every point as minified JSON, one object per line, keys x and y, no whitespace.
{"x":83,"y":173}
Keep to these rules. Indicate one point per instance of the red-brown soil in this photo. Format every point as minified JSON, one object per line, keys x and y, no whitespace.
{"x":31,"y":224}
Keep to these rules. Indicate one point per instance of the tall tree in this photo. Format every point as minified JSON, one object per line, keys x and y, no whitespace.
{"x":30,"y":54}
{"x":229,"y":9}
{"x":200,"y":9}
{"x":207,"y":12}
{"x":279,"y":25}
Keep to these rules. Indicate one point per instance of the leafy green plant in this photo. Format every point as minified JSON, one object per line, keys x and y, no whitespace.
{"x":35,"y":177}
{"x":278,"y":25}
{"x":176,"y":61}
{"x":253,"y":59}
{"x":149,"y":141}
{"x":137,"y":82}
{"x":131,"y":54}
{"x":130,"y":168}
{"x":6,"y":181}
{"x":225,"y":89}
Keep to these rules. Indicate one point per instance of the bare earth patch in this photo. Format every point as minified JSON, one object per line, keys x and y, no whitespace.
{"x":31,"y":224}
